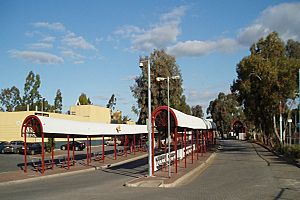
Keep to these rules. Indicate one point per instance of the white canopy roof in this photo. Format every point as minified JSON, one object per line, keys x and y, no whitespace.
{"x":62,"y":126}
{"x":189,"y":121}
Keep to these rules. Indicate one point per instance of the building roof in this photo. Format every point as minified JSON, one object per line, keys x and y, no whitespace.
{"x":187,"y":121}
{"x":68,"y":127}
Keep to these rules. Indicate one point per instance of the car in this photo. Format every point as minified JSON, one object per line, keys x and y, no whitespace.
{"x":111,"y":142}
{"x":32,"y":148}
{"x":2,"y":145}
{"x":13,"y":147}
{"x":78,"y":146}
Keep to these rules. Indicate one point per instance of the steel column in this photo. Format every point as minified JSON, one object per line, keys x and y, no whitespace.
{"x":73,"y":152}
{"x":152,"y":145}
{"x":43,"y":154}
{"x":69,"y":151}
{"x":115,"y":147}
{"x":87,"y":150}
{"x":134,"y":144}
{"x":197,"y":143}
{"x":185,"y":147}
{"x":52,"y":154}
{"x":25,"y":151}
{"x":175,"y":137}
{"x":103,"y":150}
{"x":192,"y":147}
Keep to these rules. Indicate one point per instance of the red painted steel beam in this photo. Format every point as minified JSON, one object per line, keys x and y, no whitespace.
{"x":192,"y":148}
{"x":52,"y":155}
{"x":152,"y":135}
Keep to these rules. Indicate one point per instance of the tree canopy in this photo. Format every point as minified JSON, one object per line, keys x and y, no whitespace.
{"x":223,"y":110}
{"x":197,"y":111}
{"x":265,"y":79}
{"x":11,"y":100}
{"x":84,"y":100}
{"x":161,"y":65}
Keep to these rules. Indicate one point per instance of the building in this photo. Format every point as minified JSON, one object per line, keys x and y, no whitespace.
{"x":11,"y":122}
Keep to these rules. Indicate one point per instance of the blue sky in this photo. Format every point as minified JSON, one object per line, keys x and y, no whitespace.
{"x":94,"y":46}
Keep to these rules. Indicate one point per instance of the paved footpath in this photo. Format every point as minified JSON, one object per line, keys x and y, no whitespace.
{"x":239,"y":171}
{"x":242,"y":170}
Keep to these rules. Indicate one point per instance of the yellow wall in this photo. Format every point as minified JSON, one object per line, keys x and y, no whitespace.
{"x":11,"y":122}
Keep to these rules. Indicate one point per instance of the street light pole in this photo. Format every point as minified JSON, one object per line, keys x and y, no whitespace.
{"x":149,"y":119}
{"x":169,"y":124}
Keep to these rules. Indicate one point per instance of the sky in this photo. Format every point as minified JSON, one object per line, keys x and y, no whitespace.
{"x":93,"y":47}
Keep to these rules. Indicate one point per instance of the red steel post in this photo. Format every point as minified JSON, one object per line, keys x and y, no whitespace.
{"x":90,"y":156}
{"x":69,"y":151}
{"x":185,"y":147}
{"x":192,"y":147}
{"x":103,"y":150}
{"x":25,"y":151}
{"x":134,"y":144}
{"x":73,"y":152}
{"x":52,"y":154}
{"x":197,"y":143}
{"x":115,"y":148}
{"x":152,"y":135}
{"x":201,"y":147}
{"x":125,"y":145}
{"x":87,"y":150}
{"x":175,"y":137}
{"x":43,"y":154}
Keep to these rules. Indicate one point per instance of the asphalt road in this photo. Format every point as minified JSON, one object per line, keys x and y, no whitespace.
{"x":239,"y":171}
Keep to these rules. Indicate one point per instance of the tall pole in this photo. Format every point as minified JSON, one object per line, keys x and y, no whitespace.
{"x":169,"y":129}
{"x":149,"y":122}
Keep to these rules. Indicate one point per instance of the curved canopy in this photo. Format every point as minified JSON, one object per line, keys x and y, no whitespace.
{"x":183,"y":120}
{"x":35,"y":124}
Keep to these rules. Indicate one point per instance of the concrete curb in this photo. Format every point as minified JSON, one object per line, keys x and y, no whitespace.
{"x":188,"y":175}
{"x":31,"y":179}
{"x":179,"y":181}
{"x":27,"y":180}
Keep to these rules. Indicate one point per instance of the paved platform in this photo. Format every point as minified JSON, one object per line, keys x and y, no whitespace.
{"x":80,"y":166}
{"x":160,"y":178}
{"x":183,"y":176}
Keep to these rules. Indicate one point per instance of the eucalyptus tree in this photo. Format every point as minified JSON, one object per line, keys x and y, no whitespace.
{"x":161,"y":65}
{"x":266,"y":79}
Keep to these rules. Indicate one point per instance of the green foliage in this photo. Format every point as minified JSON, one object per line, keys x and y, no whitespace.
{"x":10,"y":98}
{"x":197,"y":111}
{"x":224,"y":110}
{"x":84,"y":100}
{"x":31,"y":97}
{"x":49,"y":144}
{"x":161,"y":65}
{"x":112,"y":102}
{"x":58,"y":102}
{"x":265,"y":78}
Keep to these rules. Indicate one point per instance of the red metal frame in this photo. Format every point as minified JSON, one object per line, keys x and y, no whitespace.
{"x":185,"y":147}
{"x":103,"y":148}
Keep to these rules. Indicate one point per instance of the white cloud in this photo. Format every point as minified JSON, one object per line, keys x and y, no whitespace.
{"x":40,"y":45}
{"x":36,"y":57}
{"x":48,"y":39}
{"x":75,"y":57}
{"x":283,"y":18}
{"x":57,"y":26}
{"x":157,"y":36}
{"x":77,"y":42}
{"x":199,"y":48}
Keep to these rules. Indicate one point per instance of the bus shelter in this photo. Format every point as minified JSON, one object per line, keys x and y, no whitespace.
{"x":42,"y":127}
{"x":190,"y":135}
